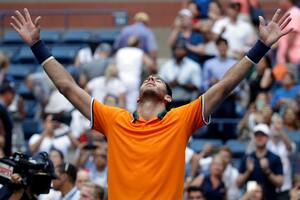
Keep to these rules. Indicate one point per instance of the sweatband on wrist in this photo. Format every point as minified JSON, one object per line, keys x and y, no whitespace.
{"x":257,"y":52}
{"x":40,"y":51}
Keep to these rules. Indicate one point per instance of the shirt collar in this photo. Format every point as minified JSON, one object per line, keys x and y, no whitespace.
{"x":160,"y":115}
{"x":70,"y":195}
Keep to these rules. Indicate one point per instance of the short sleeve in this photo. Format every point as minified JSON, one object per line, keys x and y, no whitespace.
{"x":102,"y":116}
{"x":242,"y":167}
{"x":33,"y":139}
{"x":192,"y":114}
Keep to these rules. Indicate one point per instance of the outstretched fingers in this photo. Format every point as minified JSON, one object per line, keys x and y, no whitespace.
{"x":262,"y":21}
{"x":27,"y":15}
{"x":285,"y":23}
{"x":37,"y":21}
{"x":20,"y":17}
{"x":15,"y":27}
{"x":17,"y":23}
{"x":276,"y":16}
{"x":282,"y":19}
{"x":286,"y":32}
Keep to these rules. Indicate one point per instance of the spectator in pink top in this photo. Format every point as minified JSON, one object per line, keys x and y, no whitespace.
{"x":289,"y":45}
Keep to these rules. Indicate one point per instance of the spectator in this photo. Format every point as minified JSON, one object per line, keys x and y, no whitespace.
{"x":255,"y":193}
{"x":195,"y":193}
{"x":89,"y":53}
{"x":289,"y":46}
{"x":55,"y":135}
{"x":203,"y":7}
{"x":290,"y":120}
{"x":229,"y":176}
{"x":183,"y":30}
{"x":130,"y":61}
{"x":215,"y":68}
{"x":262,"y":166}
{"x":7,"y":94}
{"x":97,"y":66}
{"x":212,"y":185}
{"x":261,"y":79}
{"x":91,"y":191}
{"x":4,"y":64}
{"x":281,"y":145}
{"x":214,"y":11}
{"x":195,"y":10}
{"x":109,"y":84}
{"x":141,"y":30}
{"x":182,"y":74}
{"x":65,"y":183}
{"x":287,"y":93}
{"x":228,"y":28}
{"x":83,"y":176}
{"x":56,"y":156}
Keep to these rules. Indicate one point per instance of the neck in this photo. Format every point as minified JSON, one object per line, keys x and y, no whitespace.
{"x":260,"y":151}
{"x":178,"y":60}
{"x":66,"y":188}
{"x":233,"y":19}
{"x":223,"y":57}
{"x":150,"y":109}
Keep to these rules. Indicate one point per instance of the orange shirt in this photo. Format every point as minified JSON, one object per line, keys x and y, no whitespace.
{"x":146,"y":158}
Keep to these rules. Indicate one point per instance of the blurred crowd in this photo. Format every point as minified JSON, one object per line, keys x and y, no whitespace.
{"x":207,"y":37}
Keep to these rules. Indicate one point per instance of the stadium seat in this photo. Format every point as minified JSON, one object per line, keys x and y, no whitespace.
{"x":20,"y":71}
{"x":12,"y":37}
{"x":65,"y":53}
{"x":25,"y":56}
{"x":51,"y":36}
{"x":76,"y":36}
{"x":107,"y":35}
{"x":198,"y":144}
{"x":31,"y":127}
{"x":10,"y":50}
{"x":237,"y":147}
{"x":199,"y":133}
{"x":30,"y":108}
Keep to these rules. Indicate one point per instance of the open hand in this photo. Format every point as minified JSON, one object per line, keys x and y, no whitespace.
{"x":29,"y":31}
{"x":271,"y":32}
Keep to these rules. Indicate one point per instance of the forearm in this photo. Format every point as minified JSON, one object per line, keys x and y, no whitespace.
{"x":276,"y":180}
{"x":194,"y":166}
{"x":172,"y":38}
{"x":242,"y":178}
{"x":35,"y":147}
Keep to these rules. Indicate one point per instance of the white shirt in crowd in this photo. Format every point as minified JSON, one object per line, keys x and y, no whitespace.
{"x":188,"y":72}
{"x":60,"y":141}
{"x":129,"y":61}
{"x":100,"y":87}
{"x":240,"y":35}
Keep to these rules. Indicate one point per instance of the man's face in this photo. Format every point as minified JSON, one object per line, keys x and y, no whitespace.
{"x":261,"y":140}
{"x":58,"y":183}
{"x":100,"y":157}
{"x":179,"y":52}
{"x":153,"y":86}
{"x":86,"y":193}
{"x":222,"y":48}
{"x":196,"y":195}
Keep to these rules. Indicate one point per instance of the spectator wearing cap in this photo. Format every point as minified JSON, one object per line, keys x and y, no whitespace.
{"x":182,"y":74}
{"x":239,"y":34}
{"x":7,"y":94}
{"x":130,"y":61}
{"x":140,"y":29}
{"x":183,"y":31}
{"x":65,"y":183}
{"x":262,"y":166}
{"x":97,"y":66}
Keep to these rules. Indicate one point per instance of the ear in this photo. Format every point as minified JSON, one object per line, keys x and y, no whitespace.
{"x":138,"y":100}
{"x":168,"y":98}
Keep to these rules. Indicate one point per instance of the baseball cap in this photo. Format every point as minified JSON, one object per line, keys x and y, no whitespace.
{"x":262,"y":128}
{"x":185,"y":12}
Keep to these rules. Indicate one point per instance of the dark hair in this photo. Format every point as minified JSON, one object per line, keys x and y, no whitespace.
{"x":6,"y":87}
{"x":169,"y":92}
{"x":194,"y":189}
{"x":235,"y":6}
{"x":70,"y":170}
{"x":221,"y":40}
{"x":180,"y":43}
{"x":61,"y":155}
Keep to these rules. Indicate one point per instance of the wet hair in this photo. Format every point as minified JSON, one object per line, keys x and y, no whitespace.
{"x":169,"y":92}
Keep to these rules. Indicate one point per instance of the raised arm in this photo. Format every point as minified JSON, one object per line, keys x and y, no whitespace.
{"x":268,"y":35}
{"x":30,"y":32}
